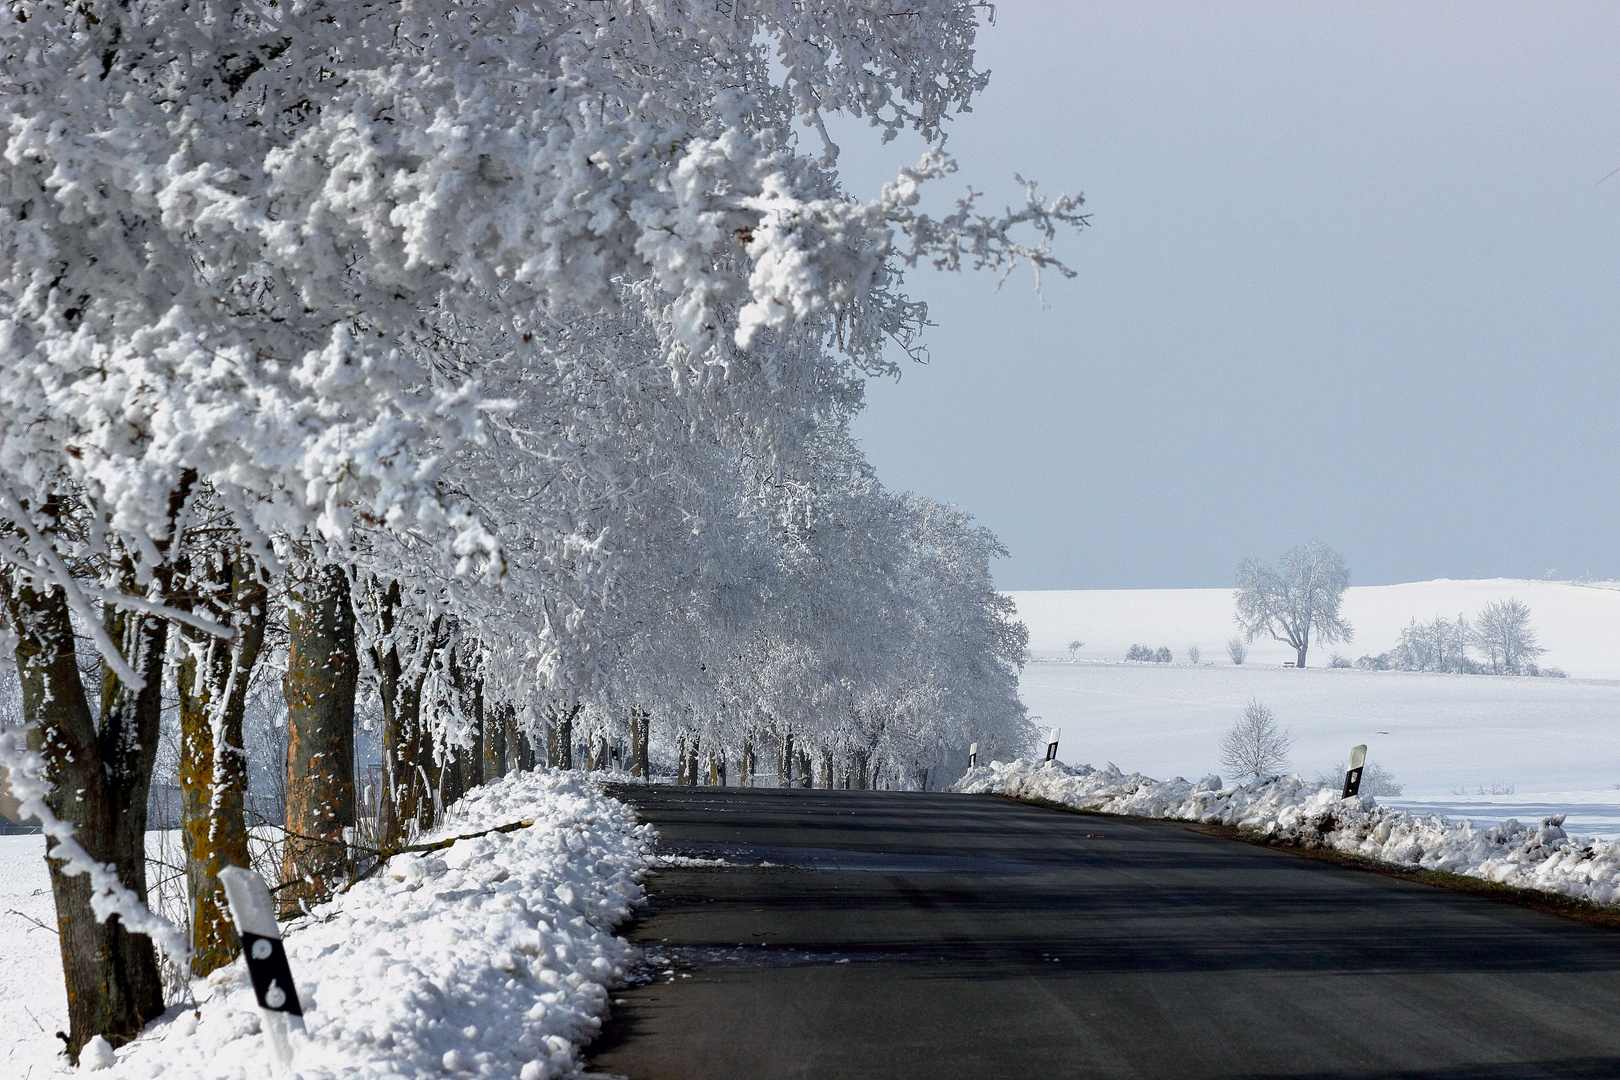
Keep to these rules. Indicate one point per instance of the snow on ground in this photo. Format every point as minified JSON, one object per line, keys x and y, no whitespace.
{"x":33,"y":1003}
{"x":1481,"y":746}
{"x":1540,"y":855}
{"x":1579,"y":625}
{"x":488,"y":958}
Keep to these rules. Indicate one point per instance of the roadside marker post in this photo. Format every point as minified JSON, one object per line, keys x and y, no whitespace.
{"x":1052,"y":743}
{"x":255,"y":916}
{"x":973,"y":755}
{"x":1352,"y":774}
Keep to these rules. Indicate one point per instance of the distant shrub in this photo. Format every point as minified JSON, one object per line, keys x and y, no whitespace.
{"x":1338,"y":661}
{"x":1375,"y":780}
{"x":1549,"y":672}
{"x":1381,"y":662}
{"x":1254,"y":746}
{"x":1193,"y":654}
{"x":1237,"y":650}
{"x":1162,"y":655}
{"x":1139,"y":652}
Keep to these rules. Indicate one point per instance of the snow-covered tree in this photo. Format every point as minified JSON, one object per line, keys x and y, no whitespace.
{"x":536,"y":327}
{"x":1502,"y":631}
{"x":1298,"y":597}
{"x":1254,"y":746}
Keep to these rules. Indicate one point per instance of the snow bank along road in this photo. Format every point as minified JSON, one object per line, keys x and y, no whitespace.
{"x":1526,"y":856}
{"x":487,"y":958}
{"x":867,"y":934}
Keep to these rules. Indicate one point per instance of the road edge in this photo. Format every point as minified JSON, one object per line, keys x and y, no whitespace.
{"x":1566,"y":907}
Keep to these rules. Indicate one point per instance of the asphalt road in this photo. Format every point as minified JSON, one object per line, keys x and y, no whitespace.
{"x":940,"y":936}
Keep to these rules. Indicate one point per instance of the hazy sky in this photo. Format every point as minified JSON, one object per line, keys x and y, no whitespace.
{"x":1352,"y":276}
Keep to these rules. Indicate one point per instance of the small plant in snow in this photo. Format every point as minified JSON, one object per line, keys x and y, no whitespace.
{"x":1375,"y":780}
{"x":1074,"y":647}
{"x":1237,"y":650}
{"x":1254,"y":746}
{"x":1339,"y":661}
{"x":1193,"y":654}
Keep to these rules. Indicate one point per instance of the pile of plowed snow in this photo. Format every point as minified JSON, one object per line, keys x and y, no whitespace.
{"x":1291,"y":810}
{"x":491,"y":957}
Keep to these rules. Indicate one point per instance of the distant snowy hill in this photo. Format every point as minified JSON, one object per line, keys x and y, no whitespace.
{"x":1579,"y":625}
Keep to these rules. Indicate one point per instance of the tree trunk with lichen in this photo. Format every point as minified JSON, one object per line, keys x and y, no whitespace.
{"x":113,"y":985}
{"x":212,"y":678}
{"x":322,"y":673}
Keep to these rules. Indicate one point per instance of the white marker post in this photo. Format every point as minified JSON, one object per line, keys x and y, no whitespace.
{"x":973,"y":755}
{"x":1352,"y":774}
{"x":255,"y":916}
{"x":1051,"y":744}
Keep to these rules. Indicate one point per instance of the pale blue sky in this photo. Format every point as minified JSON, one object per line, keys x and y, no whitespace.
{"x":1351,"y":276}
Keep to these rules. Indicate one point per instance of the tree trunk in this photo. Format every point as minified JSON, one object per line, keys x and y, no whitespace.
{"x":212,"y":680}
{"x":496,"y":724}
{"x":804,"y":769}
{"x":522,"y":747}
{"x":322,"y":673}
{"x":131,"y":721}
{"x":1302,"y":650}
{"x":475,"y":753}
{"x":106,"y":995}
{"x":784,"y":763}
{"x":405,"y":808}
{"x":640,"y":730}
{"x":827,"y":769}
{"x":560,"y":736}
{"x":692,"y":761}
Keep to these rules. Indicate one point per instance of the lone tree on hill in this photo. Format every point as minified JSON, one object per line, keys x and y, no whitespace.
{"x":1298,"y":596}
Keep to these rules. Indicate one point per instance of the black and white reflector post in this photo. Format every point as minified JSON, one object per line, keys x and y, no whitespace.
{"x":255,"y":916}
{"x":1352,"y":773}
{"x":973,"y":755}
{"x":1051,"y":744}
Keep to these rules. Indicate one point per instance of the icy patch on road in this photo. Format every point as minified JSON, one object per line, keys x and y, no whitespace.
{"x":1292,"y":810}
{"x":488,"y":958}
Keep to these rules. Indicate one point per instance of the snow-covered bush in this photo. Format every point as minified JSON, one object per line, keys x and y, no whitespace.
{"x":1254,"y":746}
{"x":492,"y":956}
{"x":1290,"y":810}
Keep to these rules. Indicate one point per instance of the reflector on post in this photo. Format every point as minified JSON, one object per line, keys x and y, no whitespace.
{"x":973,"y":755}
{"x":255,"y":916}
{"x":1352,"y":773}
{"x":1052,"y":744}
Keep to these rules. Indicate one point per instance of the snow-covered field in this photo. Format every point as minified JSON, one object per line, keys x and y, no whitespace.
{"x":1487,"y":747}
{"x":1579,"y":625}
{"x":1544,"y":746}
{"x":1540,"y":855}
{"x":488,"y":958}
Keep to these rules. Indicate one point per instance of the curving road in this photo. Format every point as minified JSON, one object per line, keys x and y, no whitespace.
{"x":940,"y":936}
